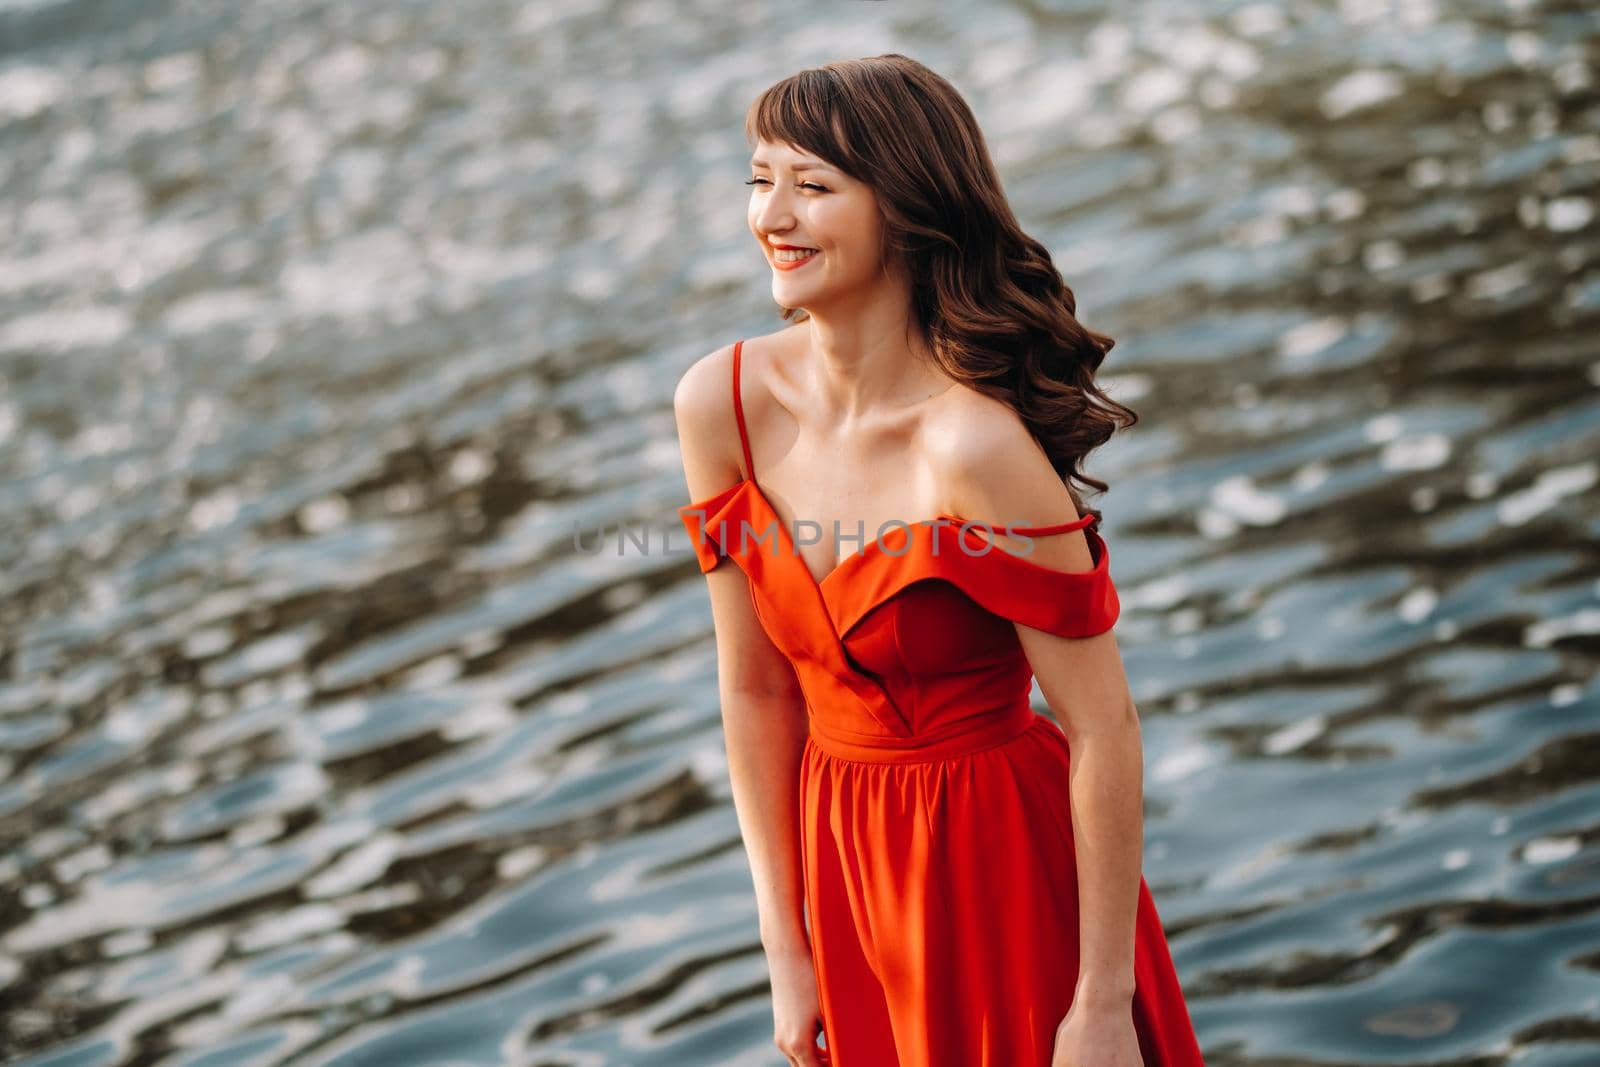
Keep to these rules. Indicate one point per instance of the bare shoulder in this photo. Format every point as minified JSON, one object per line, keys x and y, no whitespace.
{"x":974,"y":435}
{"x":705,"y":391}
{"x":702,"y":404}
{"x":996,"y":471}
{"x":703,"y":395}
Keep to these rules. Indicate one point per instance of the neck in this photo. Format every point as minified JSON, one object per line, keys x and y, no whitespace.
{"x":870,"y":364}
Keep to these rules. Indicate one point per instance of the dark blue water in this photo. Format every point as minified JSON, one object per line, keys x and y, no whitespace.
{"x":322,"y":324}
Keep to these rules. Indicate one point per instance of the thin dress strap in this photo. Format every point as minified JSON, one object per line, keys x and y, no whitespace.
{"x":738,"y":412}
{"x":1042,"y":531}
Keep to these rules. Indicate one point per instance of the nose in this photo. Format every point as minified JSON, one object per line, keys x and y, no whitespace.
{"x":773,"y":214}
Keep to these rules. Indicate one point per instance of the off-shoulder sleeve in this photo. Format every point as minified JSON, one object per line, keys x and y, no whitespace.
{"x":704,"y":521}
{"x":1065,"y":603}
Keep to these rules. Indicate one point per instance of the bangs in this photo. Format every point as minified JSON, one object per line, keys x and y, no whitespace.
{"x":803,"y":111}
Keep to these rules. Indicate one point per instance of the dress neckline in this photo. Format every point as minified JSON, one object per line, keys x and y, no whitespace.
{"x":869,"y":550}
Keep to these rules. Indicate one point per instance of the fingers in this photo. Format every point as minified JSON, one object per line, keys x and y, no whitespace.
{"x":808,"y":1057}
{"x":803,"y":1051}
{"x":813,"y":1057}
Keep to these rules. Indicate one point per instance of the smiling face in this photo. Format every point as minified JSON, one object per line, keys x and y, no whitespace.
{"x":799,"y":200}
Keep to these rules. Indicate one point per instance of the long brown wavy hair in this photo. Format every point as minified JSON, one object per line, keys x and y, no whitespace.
{"x":989,"y":303}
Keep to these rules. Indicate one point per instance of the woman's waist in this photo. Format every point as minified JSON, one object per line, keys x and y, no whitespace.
{"x":949,"y":739}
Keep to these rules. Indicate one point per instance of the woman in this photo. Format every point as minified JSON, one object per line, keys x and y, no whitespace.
{"x":971,"y":871}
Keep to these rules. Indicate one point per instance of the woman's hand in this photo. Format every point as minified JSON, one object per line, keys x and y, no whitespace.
{"x":796,"y":1010}
{"x":1097,"y":1035}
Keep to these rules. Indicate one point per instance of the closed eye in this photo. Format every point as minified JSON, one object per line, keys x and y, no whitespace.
{"x":803,"y":185}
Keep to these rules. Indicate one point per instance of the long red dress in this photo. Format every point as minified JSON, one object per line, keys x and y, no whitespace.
{"x":940,"y":875}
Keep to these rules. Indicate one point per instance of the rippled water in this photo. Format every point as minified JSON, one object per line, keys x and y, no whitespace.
{"x":321,"y":325}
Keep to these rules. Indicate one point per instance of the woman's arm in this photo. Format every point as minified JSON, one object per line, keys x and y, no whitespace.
{"x":1082,"y":679}
{"x":1002,"y":476}
{"x":763,"y":709}
{"x":764,"y":724}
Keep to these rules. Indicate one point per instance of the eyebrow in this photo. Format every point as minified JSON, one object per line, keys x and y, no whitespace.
{"x":756,"y":161}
